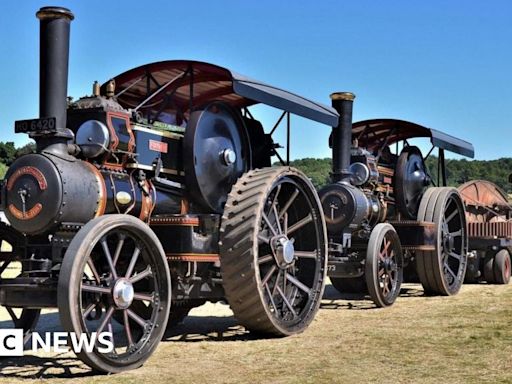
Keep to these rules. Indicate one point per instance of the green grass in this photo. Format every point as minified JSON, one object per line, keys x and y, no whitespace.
{"x":462,"y":339}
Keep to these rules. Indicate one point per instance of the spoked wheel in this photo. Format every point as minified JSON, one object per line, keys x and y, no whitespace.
{"x":411,"y":181}
{"x":384,"y":265}
{"x":349,"y":285}
{"x":442,"y":271}
{"x":502,"y":267}
{"x":10,"y":267}
{"x":114,"y":278}
{"x":273,"y":251}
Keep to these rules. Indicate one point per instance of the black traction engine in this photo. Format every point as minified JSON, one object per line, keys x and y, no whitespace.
{"x":387,"y":219}
{"x":153,"y":195}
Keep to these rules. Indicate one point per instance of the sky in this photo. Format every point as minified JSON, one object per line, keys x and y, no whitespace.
{"x":442,"y":64}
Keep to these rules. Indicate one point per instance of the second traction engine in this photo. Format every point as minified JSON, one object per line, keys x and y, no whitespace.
{"x":355,"y":203}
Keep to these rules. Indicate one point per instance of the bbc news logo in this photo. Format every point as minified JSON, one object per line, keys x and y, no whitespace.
{"x":11,"y":342}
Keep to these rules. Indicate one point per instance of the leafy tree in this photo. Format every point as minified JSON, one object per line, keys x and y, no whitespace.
{"x":7,"y":152}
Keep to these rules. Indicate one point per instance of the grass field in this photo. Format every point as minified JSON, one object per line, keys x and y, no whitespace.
{"x":462,"y":339}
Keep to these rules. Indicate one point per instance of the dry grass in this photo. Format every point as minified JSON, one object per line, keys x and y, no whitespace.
{"x":461,"y":339}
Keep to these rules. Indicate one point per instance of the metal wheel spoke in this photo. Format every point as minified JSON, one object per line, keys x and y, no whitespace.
{"x":111,"y":331}
{"x":263,"y":238}
{"x":285,"y":300}
{"x":274,"y":289}
{"x":289,"y":203}
{"x":141,"y":275}
{"x":139,"y":320}
{"x":451,"y":216}
{"x":89,"y":309}
{"x":276,"y":215}
{"x":108,"y":256}
{"x":454,"y":255}
{"x":95,"y":289}
{"x":119,"y":246}
{"x":384,"y":253}
{"x":456,"y":233}
{"x":127,"y":329}
{"x":106,"y":319}
{"x":299,"y":224}
{"x":133,"y":261}
{"x":93,"y":269}
{"x":447,"y":267}
{"x":271,"y":300}
{"x":265,"y":259}
{"x":276,"y":195}
{"x":269,"y":224}
{"x":144,"y":296}
{"x":306,"y":254}
{"x":298,"y":283}
{"x":268,"y":275}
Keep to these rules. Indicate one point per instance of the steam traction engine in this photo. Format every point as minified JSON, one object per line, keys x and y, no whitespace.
{"x":385,"y":216}
{"x":143,"y":201}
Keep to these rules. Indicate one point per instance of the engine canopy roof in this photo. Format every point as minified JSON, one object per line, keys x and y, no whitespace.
{"x":194,"y":83}
{"x":372,"y":134}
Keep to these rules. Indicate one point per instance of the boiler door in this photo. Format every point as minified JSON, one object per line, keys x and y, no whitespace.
{"x":33,"y":194}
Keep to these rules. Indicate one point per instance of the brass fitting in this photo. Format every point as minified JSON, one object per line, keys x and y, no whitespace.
{"x":96,"y":89}
{"x":343,"y":96}
{"x":111,"y":88}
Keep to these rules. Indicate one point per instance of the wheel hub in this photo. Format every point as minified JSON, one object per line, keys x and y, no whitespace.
{"x":284,"y":251}
{"x":389,"y":265}
{"x":448,"y":241}
{"x":123,"y":293}
{"x":229,"y":156}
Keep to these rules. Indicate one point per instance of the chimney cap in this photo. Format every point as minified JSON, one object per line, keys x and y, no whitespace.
{"x":343,"y":96}
{"x":54,"y":13}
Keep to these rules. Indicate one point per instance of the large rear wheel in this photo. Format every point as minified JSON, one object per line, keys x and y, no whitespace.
{"x":273,"y":251}
{"x":114,"y":278}
{"x":442,"y":271}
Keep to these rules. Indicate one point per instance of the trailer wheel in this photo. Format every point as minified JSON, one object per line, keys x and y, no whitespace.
{"x":114,"y":264}
{"x":10,"y":243}
{"x":489,"y":267}
{"x":349,"y":284}
{"x":502,"y":267}
{"x":442,"y":271}
{"x":384,"y":265}
{"x":273,"y":251}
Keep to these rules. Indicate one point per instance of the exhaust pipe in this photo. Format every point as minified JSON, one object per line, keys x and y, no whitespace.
{"x":53,"y":73}
{"x":342,"y":135}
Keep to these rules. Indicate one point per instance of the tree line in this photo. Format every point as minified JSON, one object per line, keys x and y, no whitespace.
{"x":457,"y":171}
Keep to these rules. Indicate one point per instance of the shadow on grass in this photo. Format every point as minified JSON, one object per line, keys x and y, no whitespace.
{"x":32,"y":367}
{"x":67,"y":366}
{"x":332,"y":298}
{"x":209,"y":328}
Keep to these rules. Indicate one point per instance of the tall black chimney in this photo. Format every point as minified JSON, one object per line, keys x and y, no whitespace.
{"x":53,"y":70}
{"x":342,"y":135}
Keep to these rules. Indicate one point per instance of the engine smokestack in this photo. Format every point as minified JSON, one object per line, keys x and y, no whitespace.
{"x":342,"y":135}
{"x":53,"y":70}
